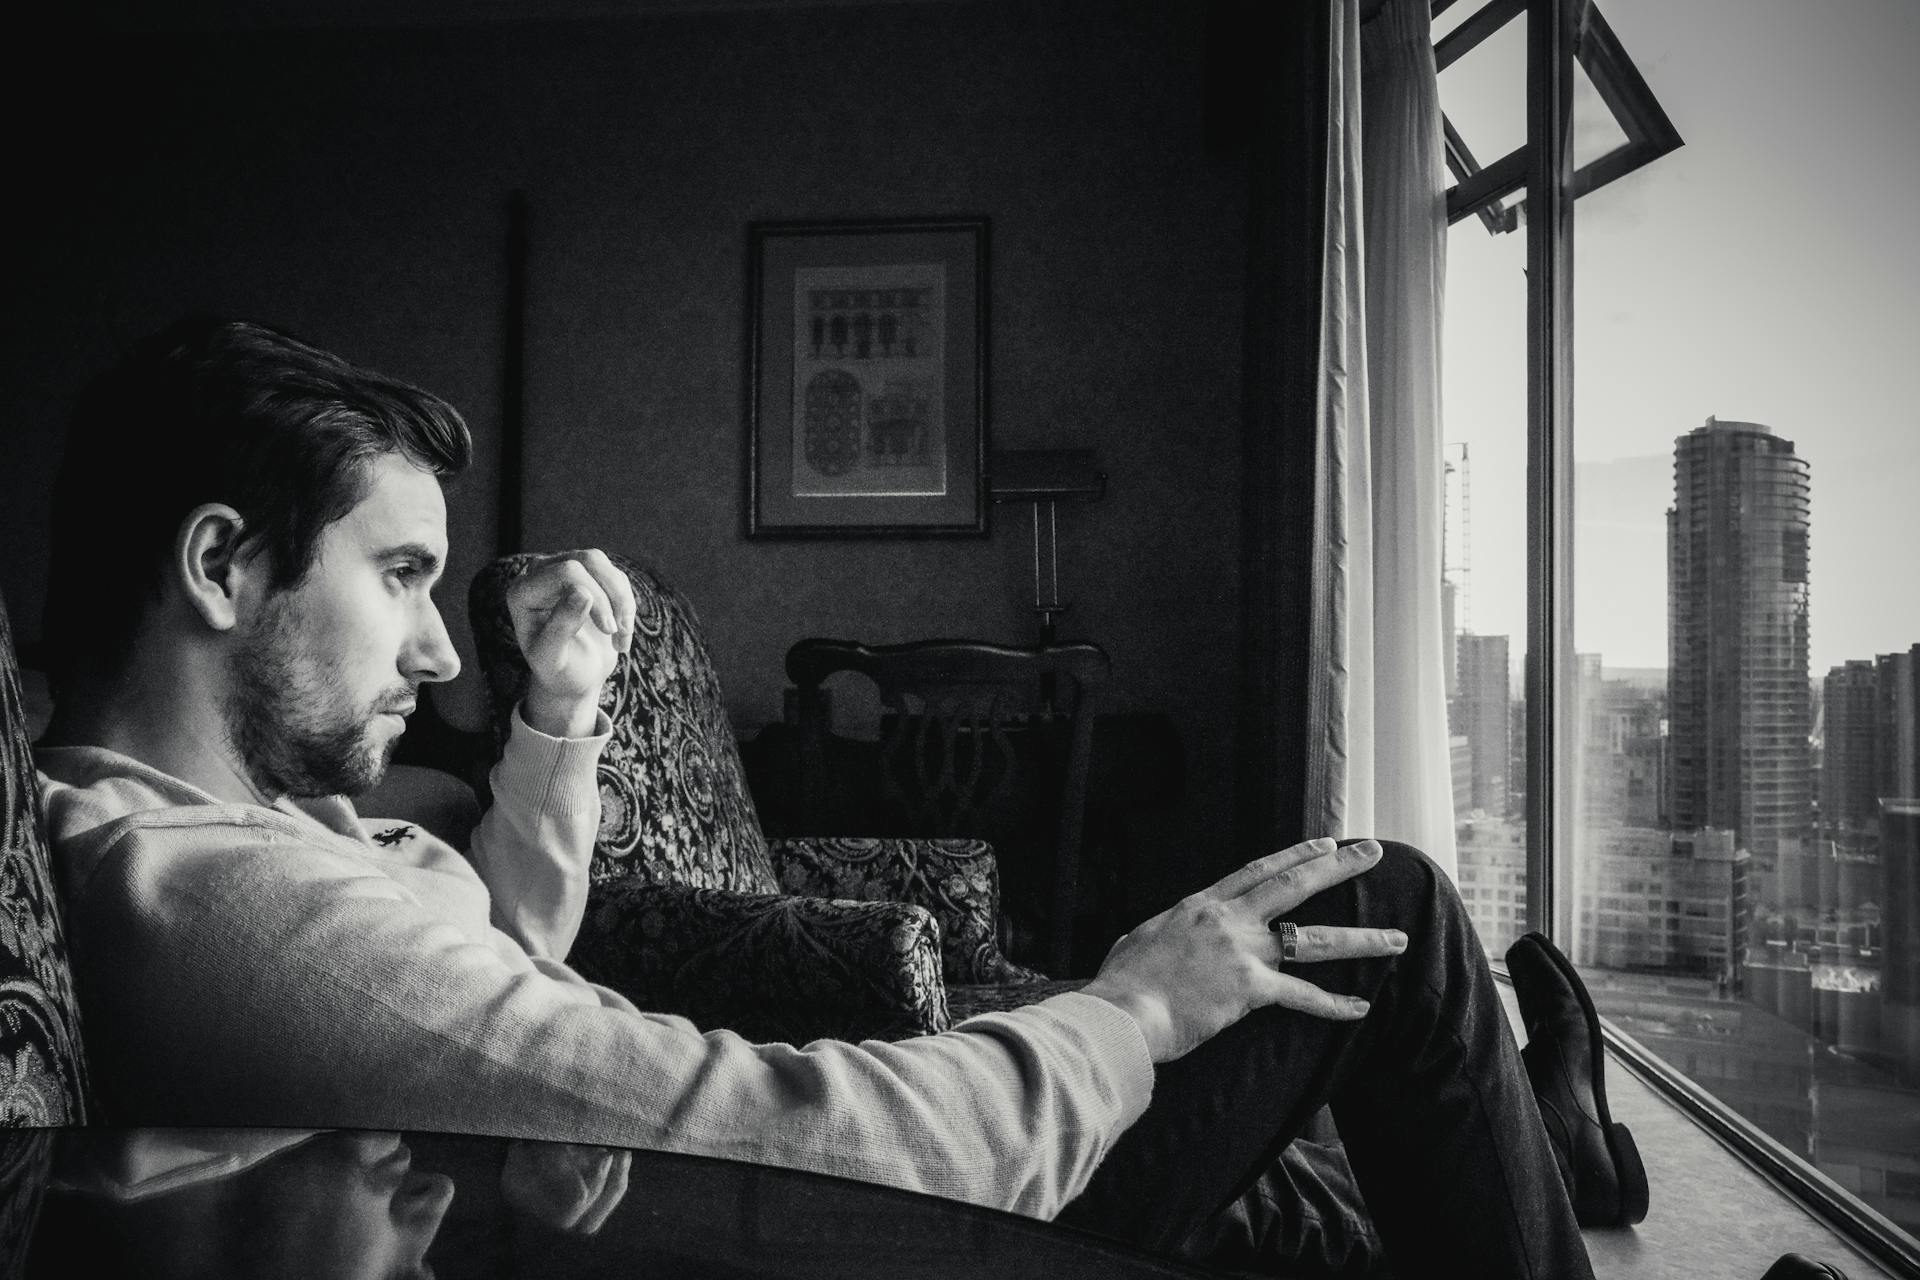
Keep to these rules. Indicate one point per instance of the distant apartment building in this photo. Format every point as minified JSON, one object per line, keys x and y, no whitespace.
{"x":1897,"y":724}
{"x":1460,"y":761}
{"x":1517,"y":757}
{"x":1900,"y":934}
{"x":1870,"y":722}
{"x":1622,"y":771}
{"x":1849,"y":766}
{"x":1739,"y":700}
{"x":1481,"y":713}
{"x":1676,"y":902}
{"x":1492,"y":878}
{"x":1833,"y":990}
{"x":1898,"y":747}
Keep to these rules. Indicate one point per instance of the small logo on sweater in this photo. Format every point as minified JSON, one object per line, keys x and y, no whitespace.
{"x":392,"y":836}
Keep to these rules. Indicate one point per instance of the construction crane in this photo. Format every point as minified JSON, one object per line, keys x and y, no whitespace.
{"x":1457,"y":531}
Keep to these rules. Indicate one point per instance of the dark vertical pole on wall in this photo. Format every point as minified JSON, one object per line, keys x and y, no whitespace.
{"x":513,"y":380}
{"x":1550,"y":712}
{"x":1277,"y":58}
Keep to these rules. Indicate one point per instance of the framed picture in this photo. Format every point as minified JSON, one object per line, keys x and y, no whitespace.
{"x":867,"y":377}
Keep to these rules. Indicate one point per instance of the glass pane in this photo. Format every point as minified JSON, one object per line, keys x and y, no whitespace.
{"x":1595,"y":131}
{"x":1484,"y":381}
{"x":1455,"y":14}
{"x":1746,"y":896}
{"x":1484,"y":94}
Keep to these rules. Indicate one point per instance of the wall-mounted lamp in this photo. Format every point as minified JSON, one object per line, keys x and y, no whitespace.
{"x":1045,"y":478}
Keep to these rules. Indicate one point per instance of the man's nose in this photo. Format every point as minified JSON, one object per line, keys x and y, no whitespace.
{"x":433,"y":656}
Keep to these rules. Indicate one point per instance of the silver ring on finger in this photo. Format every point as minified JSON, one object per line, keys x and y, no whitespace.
{"x":1289,"y":941}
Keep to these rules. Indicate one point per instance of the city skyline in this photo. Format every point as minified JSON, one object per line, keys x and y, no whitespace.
{"x":1763,"y":272}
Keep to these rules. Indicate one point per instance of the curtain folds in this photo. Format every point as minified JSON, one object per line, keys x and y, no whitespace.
{"x":1378,"y":462}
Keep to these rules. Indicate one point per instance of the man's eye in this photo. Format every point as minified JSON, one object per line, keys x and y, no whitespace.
{"x":408,"y":574}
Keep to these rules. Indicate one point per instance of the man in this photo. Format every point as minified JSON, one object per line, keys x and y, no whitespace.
{"x":247,"y":532}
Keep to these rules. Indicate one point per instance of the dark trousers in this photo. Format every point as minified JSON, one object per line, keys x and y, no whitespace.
{"x":1428,"y":1092}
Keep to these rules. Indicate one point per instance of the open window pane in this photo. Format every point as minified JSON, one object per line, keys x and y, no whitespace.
{"x":1596,"y":131}
{"x":1746,"y":901}
{"x":1484,"y":92}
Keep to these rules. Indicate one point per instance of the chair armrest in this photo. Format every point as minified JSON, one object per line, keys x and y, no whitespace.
{"x":956,"y":880}
{"x":771,"y":967}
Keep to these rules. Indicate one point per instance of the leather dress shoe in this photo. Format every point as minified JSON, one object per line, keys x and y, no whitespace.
{"x":1565,"y":1058}
{"x":1791,"y":1266}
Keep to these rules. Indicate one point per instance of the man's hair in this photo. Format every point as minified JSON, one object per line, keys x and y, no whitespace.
{"x":217,"y":411}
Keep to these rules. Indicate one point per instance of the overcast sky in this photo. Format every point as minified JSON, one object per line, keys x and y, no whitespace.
{"x":1768,"y":271}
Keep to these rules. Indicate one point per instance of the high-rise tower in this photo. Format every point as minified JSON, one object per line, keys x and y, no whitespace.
{"x":1740,"y":702}
{"x":1480,"y":713}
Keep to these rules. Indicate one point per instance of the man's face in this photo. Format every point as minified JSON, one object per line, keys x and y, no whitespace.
{"x":323,"y":673}
{"x":345,"y":1205}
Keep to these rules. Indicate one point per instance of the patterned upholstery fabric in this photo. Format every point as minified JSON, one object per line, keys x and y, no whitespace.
{"x":851,"y":939}
{"x":770,"y":966}
{"x":954,"y":879}
{"x":43,"y":1078}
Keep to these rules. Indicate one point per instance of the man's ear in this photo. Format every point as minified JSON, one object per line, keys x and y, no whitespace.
{"x":208,"y":565}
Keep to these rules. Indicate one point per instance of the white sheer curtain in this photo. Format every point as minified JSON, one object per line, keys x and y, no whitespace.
{"x":1380,"y":486}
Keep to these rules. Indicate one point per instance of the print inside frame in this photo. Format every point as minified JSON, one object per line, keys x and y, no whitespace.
{"x":867,"y":352}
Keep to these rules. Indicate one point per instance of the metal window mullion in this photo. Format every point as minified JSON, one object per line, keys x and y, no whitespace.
{"x":1550,"y":713}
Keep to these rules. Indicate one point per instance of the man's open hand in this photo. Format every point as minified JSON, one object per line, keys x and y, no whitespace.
{"x":573,"y":614}
{"x":1210,"y":959}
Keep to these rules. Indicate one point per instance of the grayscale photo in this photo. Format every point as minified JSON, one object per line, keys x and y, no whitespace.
{"x":961,"y":638}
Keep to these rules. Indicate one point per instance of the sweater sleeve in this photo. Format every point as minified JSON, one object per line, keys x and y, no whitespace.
{"x":237,"y":976}
{"x":533,"y":847}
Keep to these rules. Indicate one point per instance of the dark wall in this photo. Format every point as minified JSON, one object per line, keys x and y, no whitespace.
{"x":352,"y":185}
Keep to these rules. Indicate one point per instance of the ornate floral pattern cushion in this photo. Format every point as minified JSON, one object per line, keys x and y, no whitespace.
{"x":769,"y":966}
{"x":674,"y":807}
{"x":954,"y":879}
{"x":43,"y":1078}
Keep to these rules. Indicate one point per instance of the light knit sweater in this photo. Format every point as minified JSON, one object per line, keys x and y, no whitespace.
{"x":301,"y":966}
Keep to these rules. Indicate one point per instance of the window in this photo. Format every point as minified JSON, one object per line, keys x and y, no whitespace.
{"x":1723,"y":703}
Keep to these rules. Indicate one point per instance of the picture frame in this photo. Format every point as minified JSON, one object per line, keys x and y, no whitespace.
{"x":867,"y":378}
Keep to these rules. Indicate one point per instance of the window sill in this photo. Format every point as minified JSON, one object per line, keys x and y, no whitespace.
{"x":1714,"y":1216}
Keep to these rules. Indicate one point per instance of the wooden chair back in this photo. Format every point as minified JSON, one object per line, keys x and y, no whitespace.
{"x":975,"y":740}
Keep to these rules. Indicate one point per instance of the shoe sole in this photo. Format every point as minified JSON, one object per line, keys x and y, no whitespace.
{"x":1634,"y":1196}
{"x":1628,"y":1168}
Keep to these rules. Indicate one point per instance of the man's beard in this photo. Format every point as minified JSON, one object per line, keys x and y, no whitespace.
{"x":292,"y":724}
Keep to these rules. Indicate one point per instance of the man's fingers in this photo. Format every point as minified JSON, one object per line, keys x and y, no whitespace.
{"x":547,"y":588}
{"x":568,"y":613}
{"x":1283,"y":891}
{"x":612,"y":1191}
{"x":618,"y":589}
{"x":1317,"y":942}
{"x":1263,"y":869}
{"x":1289,"y":992}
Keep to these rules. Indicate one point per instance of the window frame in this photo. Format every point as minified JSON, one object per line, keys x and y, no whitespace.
{"x":1479,"y":190}
{"x":1557,"y":32}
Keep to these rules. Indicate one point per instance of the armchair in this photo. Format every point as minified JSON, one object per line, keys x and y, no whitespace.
{"x":43,"y":1075}
{"x":693,"y":911}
